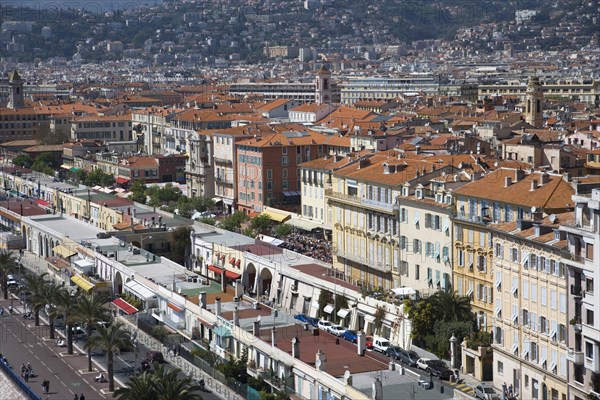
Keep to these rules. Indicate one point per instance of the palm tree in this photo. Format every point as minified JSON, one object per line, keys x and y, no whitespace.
{"x":35,"y":286}
{"x":170,"y":387}
{"x":89,"y":310}
{"x":449,"y":306}
{"x":111,"y":339}
{"x":141,"y":386}
{"x":47,"y":298}
{"x":7,"y":264}
{"x":66,"y":303}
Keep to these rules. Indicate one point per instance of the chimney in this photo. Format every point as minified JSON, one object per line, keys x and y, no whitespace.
{"x":256,"y":328}
{"x":386,"y":168}
{"x":239,"y":289}
{"x":320,"y":360}
{"x":534,"y":185}
{"x":174,"y":286}
{"x":295,"y":347}
{"x":519,"y":174}
{"x":236,"y":316}
{"x":273,"y":337}
{"x":218,"y":306}
{"x":202,"y":300}
{"x":545,"y":178}
{"x":133,"y":213}
{"x":507,"y":181}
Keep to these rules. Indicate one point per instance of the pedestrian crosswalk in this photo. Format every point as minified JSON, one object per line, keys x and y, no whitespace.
{"x":463,"y":388}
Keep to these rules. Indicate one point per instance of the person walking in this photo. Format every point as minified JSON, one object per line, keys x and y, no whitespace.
{"x":82,"y":397}
{"x":76,"y":397}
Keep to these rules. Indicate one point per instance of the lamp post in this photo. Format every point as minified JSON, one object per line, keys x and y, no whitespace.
{"x":142,"y":240}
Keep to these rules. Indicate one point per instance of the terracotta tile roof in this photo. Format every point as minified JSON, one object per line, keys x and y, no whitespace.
{"x":280,"y":139}
{"x":43,"y":148}
{"x":310,"y":107}
{"x":553,"y":195}
{"x":273,"y":105}
{"x":25,"y":142}
{"x":340,"y":141}
{"x":142,"y":162}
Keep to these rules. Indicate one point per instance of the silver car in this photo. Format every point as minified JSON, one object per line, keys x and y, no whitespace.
{"x":485,"y":392}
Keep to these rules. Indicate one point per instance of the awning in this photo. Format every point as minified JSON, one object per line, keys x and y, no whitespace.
{"x":175,"y":307}
{"x":222,"y":331}
{"x":232,"y":275}
{"x":291,"y":194}
{"x":138,"y":290}
{"x":84,"y":264}
{"x":238,"y":262}
{"x":343,"y":312}
{"x":74,"y":169}
{"x":42,"y":203}
{"x":275,"y":216}
{"x":214,"y":268}
{"x":217,"y":200}
{"x":82,"y":283}
{"x":232,"y":261}
{"x":121,"y":180}
{"x":403,"y":291}
{"x":304,"y":224}
{"x":369,"y":318}
{"x":65,"y":166}
{"x":63,"y":251}
{"x":125,"y":306}
{"x":328,"y":309}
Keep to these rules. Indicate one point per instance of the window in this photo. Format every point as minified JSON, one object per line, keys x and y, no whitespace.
{"x":500,"y":368}
{"x":589,"y":285}
{"x":589,"y":317}
{"x":284,"y":160}
{"x":514,"y":254}
{"x":589,"y":251}
{"x":417,"y":271}
{"x":589,"y":350}
{"x":269,"y":174}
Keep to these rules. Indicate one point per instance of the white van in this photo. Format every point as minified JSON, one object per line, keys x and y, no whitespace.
{"x":380,"y":344}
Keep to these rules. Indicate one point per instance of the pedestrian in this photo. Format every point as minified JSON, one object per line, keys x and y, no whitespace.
{"x":82,"y":397}
{"x":76,"y":397}
{"x":47,"y":386}
{"x":26,"y":376}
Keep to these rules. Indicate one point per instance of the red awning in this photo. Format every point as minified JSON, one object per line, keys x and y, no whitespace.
{"x":232,"y":261}
{"x":222,"y":256}
{"x":125,"y":306}
{"x":121,"y":180}
{"x":238,"y":262}
{"x":214,"y":268}
{"x":174,"y":307}
{"x":43,"y":203}
{"x":232,"y":275}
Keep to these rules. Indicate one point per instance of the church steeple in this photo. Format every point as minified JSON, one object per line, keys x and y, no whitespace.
{"x":534,"y":100}
{"x":15,"y":98}
{"x":323,"y":86}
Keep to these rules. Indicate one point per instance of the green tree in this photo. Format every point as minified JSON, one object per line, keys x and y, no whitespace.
{"x":234,"y":221}
{"x":449,"y":306}
{"x":99,"y":177}
{"x":161,"y":196}
{"x":7,"y":265}
{"x":138,"y":192}
{"x":283,"y":230}
{"x":140,"y":386}
{"x":260,"y":223}
{"x":66,"y":303}
{"x":47,"y":299}
{"x":169,"y":386}
{"x":34,"y":286}
{"x":325,"y":298}
{"x":110,"y":339}
{"x":23,"y":160}
{"x":90,"y":311}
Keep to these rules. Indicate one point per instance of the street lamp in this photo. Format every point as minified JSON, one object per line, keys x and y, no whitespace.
{"x":142,"y":240}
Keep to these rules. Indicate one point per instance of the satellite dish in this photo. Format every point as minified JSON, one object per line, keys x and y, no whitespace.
{"x":346,"y":374}
{"x":552,"y":218}
{"x":533,"y":209}
{"x":318,"y":363}
{"x":258,"y":319}
{"x":294,"y":340}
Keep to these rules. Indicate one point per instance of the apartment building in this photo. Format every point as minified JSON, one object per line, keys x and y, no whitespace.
{"x":152,"y":122}
{"x":387,"y":88}
{"x":504,"y":195}
{"x":199,"y":168}
{"x":102,"y":127}
{"x":531,"y":319}
{"x":585,"y":90}
{"x":268,"y":173}
{"x":582,"y":258}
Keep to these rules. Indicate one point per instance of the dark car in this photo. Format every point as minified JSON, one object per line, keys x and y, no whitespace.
{"x":306,"y":319}
{"x":408,"y":357}
{"x":394,"y":352}
{"x":351,"y":336}
{"x":439,"y":369}
{"x":155,"y":356}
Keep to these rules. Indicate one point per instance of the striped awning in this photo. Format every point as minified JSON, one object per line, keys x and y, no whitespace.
{"x":124,"y":306}
{"x":275,"y":216}
{"x":82,"y":283}
{"x":63,"y":251}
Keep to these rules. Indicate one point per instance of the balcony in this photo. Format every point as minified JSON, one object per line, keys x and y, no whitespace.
{"x":222,"y":161}
{"x":576,"y":291}
{"x":473,"y":218}
{"x":363,"y":261}
{"x":223,"y":182}
{"x":362,"y":201}
{"x":576,"y":357}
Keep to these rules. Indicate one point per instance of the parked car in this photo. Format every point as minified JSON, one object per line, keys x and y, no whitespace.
{"x":485,"y":392}
{"x":408,"y":357}
{"x":394,"y":352}
{"x":351,"y":336}
{"x":439,"y":369}
{"x":324,"y":325}
{"x":306,"y":319}
{"x":155,"y":356}
{"x":369,"y":342}
{"x":381,"y":344}
{"x":422,"y":363}
{"x":337,"y":330}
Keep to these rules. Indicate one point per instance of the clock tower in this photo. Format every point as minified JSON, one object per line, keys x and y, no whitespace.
{"x":534,"y":103}
{"x":323,"y":86}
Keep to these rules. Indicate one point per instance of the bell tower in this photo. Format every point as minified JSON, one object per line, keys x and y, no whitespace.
{"x":323,"y":86}
{"x":534,"y":103}
{"x":15,"y":96}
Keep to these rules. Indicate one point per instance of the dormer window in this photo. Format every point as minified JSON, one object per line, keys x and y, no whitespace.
{"x":419,"y":193}
{"x":556,"y":234}
{"x":439,"y":198}
{"x":405,"y":191}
